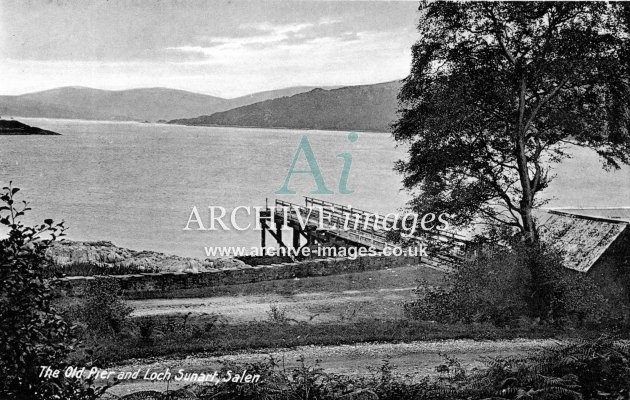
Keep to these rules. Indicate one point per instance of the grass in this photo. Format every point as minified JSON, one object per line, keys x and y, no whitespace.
{"x":188,"y":333}
{"x":208,"y":335}
{"x":368,"y":280}
{"x":594,"y":369}
{"x":327,"y":299}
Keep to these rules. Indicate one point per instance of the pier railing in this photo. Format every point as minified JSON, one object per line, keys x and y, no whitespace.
{"x":364,"y":228}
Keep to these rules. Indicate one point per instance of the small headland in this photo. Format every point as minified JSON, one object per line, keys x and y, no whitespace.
{"x":12,"y":127}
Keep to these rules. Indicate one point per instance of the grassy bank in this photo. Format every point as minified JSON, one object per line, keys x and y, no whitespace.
{"x":594,"y":369}
{"x":368,"y":280}
{"x":374,"y":315}
{"x":166,"y":336}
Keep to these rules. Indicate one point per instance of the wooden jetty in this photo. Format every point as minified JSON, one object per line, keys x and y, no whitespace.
{"x":327,"y":224}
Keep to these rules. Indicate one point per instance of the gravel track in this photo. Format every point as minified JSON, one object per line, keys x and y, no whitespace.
{"x":326,"y":306}
{"x":415,"y":359}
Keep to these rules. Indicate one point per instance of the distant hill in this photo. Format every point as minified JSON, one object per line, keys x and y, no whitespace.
{"x":361,"y":108}
{"x":272,"y":94}
{"x":148,"y":104}
{"x":12,"y":128}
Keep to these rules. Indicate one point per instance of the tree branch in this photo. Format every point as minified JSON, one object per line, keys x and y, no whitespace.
{"x":499,"y":36}
{"x":546,"y":99}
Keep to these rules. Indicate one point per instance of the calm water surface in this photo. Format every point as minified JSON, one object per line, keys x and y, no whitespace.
{"x":135,"y":184}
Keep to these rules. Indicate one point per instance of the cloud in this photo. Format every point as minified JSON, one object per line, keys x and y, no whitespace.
{"x":278,"y":29}
{"x":287,"y":41}
{"x":267,"y":34}
{"x":357,"y":57}
{"x":224,"y":48}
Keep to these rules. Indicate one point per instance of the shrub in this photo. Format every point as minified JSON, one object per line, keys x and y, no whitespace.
{"x":146,"y":326}
{"x":504,"y":285}
{"x":103,"y":312}
{"x":32,"y":332}
{"x":561,"y":295}
{"x":493,"y":287}
{"x":277,"y":315}
{"x":598,"y":369}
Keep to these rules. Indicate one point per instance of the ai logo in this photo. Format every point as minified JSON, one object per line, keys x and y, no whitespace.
{"x":305,"y":147}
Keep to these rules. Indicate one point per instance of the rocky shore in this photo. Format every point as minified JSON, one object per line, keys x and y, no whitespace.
{"x":106,"y":254}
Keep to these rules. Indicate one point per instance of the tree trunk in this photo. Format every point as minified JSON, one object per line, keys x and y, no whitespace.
{"x":529,"y":227}
{"x":527,"y":197}
{"x":527,"y":193}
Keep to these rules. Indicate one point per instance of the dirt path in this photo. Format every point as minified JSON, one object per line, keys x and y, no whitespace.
{"x":416,"y":359}
{"x":312,"y":306}
{"x":326,"y":301}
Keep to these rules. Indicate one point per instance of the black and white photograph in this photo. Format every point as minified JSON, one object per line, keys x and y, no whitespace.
{"x":314,"y":200}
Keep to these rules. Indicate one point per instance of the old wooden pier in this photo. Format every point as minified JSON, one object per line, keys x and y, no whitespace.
{"x":327,"y":224}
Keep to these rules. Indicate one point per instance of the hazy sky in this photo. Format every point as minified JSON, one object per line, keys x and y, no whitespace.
{"x":223,"y":48}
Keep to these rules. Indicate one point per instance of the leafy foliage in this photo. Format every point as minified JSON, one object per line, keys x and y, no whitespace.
{"x":103,"y":311}
{"x":504,"y":285}
{"x":32,"y":332}
{"x":598,"y":369}
{"x":497,"y":92}
{"x":277,"y":314}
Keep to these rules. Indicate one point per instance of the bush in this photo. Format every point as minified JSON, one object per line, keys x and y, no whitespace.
{"x":146,"y":326}
{"x":32,"y":332}
{"x":504,"y":285}
{"x":103,"y":312}
{"x":598,"y":369}
{"x":564,"y":296}
{"x":277,"y":315}
{"x":494,"y":287}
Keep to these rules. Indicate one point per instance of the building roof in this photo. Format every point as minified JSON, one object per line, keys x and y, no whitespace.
{"x":584,"y":239}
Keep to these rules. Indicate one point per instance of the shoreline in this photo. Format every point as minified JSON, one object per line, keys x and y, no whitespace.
{"x":192,"y":126}
{"x":276,"y":128}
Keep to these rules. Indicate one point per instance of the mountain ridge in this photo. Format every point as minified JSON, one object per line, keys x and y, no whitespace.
{"x":361,"y":107}
{"x":136,"y":104}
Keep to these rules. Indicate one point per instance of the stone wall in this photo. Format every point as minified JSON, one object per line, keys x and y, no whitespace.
{"x":153,"y":284}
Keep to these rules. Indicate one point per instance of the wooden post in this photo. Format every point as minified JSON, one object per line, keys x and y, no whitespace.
{"x":279,"y":234}
{"x":296,"y":237}
{"x":263,"y":241}
{"x":264,"y":216}
{"x":309,"y":237}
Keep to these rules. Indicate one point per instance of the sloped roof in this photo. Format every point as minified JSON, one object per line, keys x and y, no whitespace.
{"x":583,"y":238}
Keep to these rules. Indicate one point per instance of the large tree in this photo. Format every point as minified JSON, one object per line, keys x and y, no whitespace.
{"x":496,"y":93}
